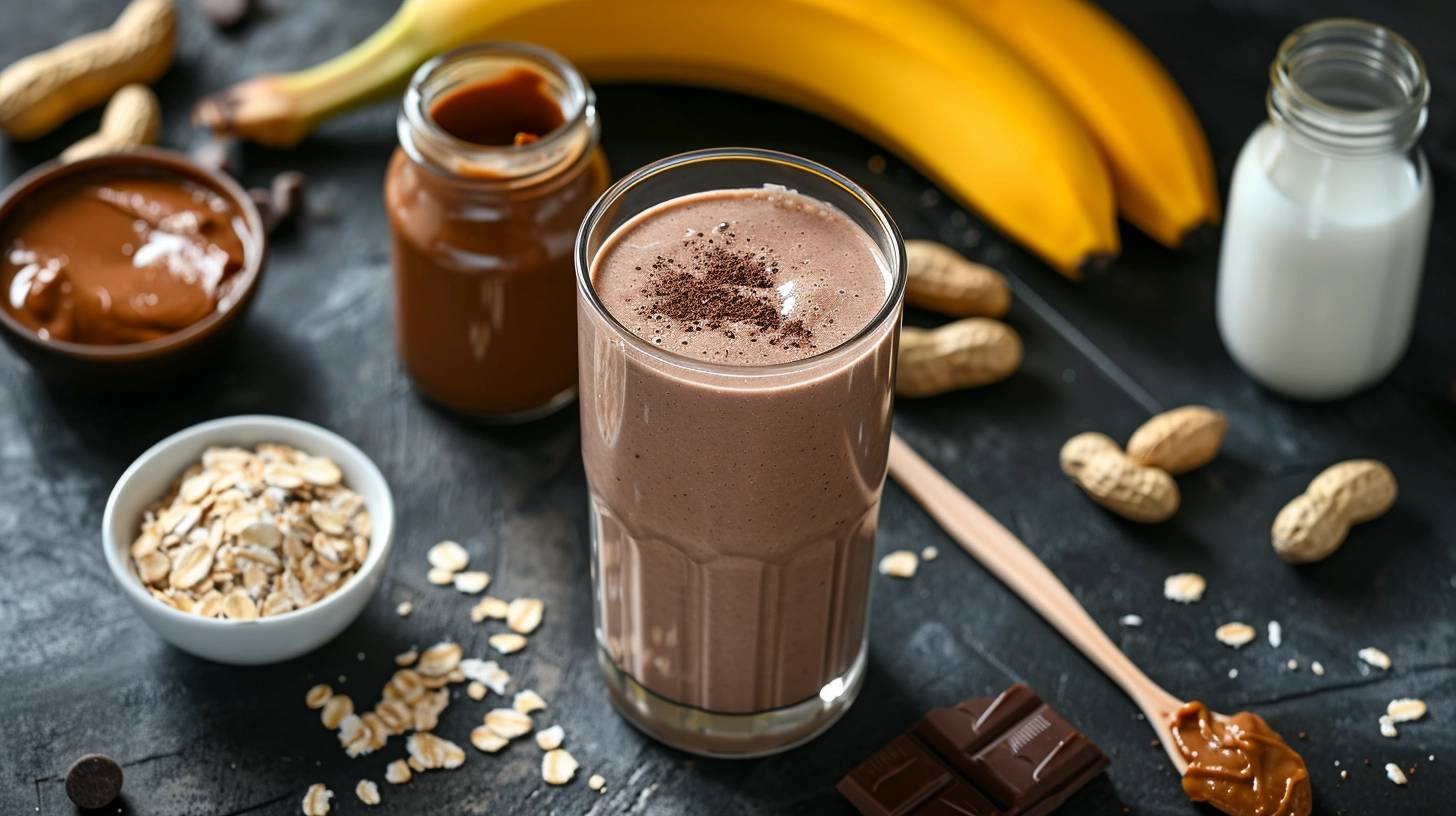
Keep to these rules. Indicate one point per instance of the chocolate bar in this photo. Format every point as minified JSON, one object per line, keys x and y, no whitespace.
{"x":1008,"y":756}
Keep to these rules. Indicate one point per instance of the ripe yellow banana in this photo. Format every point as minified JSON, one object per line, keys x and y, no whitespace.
{"x":911,"y":74}
{"x":1159,"y":157}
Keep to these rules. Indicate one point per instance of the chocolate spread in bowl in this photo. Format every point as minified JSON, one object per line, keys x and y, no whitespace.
{"x":120,"y":256}
{"x":1240,"y":765}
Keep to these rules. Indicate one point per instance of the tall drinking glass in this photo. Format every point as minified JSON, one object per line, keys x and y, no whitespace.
{"x":734,"y":503}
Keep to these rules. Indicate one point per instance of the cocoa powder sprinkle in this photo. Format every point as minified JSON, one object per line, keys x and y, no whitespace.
{"x":720,"y":289}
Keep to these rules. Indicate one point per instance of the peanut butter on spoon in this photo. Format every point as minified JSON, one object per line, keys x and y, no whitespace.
{"x":1237,"y":764}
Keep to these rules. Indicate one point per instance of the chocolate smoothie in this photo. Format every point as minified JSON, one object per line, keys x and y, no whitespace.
{"x":736,"y":455}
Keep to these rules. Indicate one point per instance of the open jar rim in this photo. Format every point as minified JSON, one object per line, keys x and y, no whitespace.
{"x":589,"y":243}
{"x":1384,"y":58}
{"x":433,"y":148}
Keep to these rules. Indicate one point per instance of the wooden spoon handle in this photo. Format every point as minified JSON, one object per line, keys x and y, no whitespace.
{"x":1008,"y":559}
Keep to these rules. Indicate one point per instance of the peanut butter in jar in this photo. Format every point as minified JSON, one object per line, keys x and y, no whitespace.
{"x":497,"y":165}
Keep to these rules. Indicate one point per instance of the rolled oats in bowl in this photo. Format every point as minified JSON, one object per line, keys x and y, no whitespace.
{"x":247,"y":534}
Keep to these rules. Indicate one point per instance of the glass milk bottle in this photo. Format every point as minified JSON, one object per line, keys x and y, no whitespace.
{"x":1328,"y":214}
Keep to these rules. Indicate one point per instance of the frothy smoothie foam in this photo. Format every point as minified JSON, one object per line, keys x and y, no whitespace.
{"x":735,"y":504}
{"x":742,"y":277}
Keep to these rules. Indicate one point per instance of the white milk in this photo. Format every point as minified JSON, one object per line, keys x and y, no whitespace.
{"x":1321,"y":264}
{"x":1328,"y":214}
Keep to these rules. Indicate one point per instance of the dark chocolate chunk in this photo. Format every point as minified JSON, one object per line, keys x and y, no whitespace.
{"x":93,"y":781}
{"x":897,"y":778}
{"x":1008,"y":756}
{"x":287,"y":190}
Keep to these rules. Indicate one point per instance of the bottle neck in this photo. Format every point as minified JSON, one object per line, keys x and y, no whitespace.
{"x":507,"y":166}
{"x":1349,"y":89}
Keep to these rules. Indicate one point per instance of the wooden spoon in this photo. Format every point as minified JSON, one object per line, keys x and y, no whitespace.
{"x":1004,"y":555}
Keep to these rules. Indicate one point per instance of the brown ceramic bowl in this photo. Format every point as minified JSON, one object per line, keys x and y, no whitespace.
{"x":133,"y":364}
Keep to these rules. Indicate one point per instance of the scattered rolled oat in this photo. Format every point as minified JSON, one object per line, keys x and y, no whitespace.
{"x":524,"y":615}
{"x":489,"y":607}
{"x":1185,"y":587}
{"x":316,"y":801}
{"x":1394,"y":773}
{"x":527,"y":701}
{"x":1276,"y":634}
{"x":367,"y":791}
{"x":599,"y":783}
{"x":551,"y":738}
{"x":439,"y":660}
{"x":427,"y":709}
{"x":927,"y":554}
{"x":431,"y":751}
{"x":397,"y":772}
{"x":1318,"y":668}
{"x":558,"y":767}
{"x":415,"y":765}
{"x":507,"y":642}
{"x":396,"y":715}
{"x":1406,"y":710}
{"x":508,"y":723}
{"x":487,"y":672}
{"x":487,"y":740}
{"x":353,"y":730}
{"x":336,"y":708}
{"x":900,"y":563}
{"x":318,"y":695}
{"x":471,"y":583}
{"x":1375,"y":657}
{"x":1131,"y":620}
{"x":1387,"y":727}
{"x":406,"y":658}
{"x":1235,"y":634}
{"x":216,"y":545}
{"x":440,"y":577}
{"x":449,"y":556}
{"x":1293,"y":664}
{"x":404,"y":608}
{"x":476,"y":690}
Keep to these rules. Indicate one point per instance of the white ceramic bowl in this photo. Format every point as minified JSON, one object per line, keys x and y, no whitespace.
{"x":264,"y":640}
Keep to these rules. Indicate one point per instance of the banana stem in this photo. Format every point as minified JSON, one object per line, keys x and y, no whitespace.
{"x":376,"y":68}
{"x":280,"y":110}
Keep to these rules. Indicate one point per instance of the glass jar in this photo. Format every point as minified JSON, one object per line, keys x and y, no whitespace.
{"x":482,"y":234}
{"x":731,"y":596}
{"x":1329,"y":214}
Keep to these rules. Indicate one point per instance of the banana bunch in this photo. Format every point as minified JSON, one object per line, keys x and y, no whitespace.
{"x":975,"y":93}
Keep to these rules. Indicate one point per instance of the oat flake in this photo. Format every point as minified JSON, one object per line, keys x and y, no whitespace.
{"x":900,"y":564}
{"x":558,"y":767}
{"x":397,"y":772}
{"x":487,"y":740}
{"x":316,"y":801}
{"x":367,"y":791}
{"x":1375,"y":657}
{"x":1185,"y":587}
{"x":1235,"y":634}
{"x":551,"y":738}
{"x":507,"y":642}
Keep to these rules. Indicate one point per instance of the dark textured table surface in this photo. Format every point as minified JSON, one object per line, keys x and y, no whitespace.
{"x":80,"y":673}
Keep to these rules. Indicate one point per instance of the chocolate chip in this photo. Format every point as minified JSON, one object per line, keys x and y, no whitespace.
{"x":287,"y":192}
{"x":93,"y":781}
{"x":225,"y":13}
